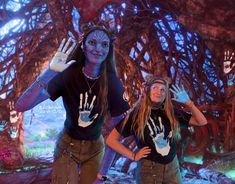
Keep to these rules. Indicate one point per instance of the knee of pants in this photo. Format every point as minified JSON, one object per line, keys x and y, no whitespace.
{"x":64,"y":170}
{"x":90,"y":168}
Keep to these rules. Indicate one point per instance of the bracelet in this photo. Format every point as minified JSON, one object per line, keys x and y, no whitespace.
{"x":190,"y":104}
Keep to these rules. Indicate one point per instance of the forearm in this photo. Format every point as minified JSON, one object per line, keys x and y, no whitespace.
{"x":36,"y":93}
{"x":198,"y":117}
{"x":31,"y":97}
{"x":119,"y":147}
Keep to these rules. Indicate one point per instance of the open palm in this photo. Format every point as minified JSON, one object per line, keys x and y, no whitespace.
{"x":58,"y":62}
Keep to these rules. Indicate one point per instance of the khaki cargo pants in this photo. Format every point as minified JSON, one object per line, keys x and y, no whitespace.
{"x":76,"y":161}
{"x":149,"y":172}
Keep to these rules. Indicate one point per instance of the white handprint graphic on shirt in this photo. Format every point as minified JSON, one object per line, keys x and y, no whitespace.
{"x":162,"y":145}
{"x":13,"y":132}
{"x":85,"y":110}
{"x":14,"y":116}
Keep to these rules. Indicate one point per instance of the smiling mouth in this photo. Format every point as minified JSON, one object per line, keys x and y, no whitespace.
{"x":157,"y":96}
{"x":96,"y":54}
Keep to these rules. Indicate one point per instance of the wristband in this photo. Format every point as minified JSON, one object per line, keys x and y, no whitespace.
{"x":190,"y":104}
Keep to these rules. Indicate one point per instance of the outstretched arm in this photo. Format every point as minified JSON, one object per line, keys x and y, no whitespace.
{"x":181,"y":96}
{"x":37,"y":93}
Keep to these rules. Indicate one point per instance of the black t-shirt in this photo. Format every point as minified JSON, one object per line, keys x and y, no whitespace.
{"x":83,"y":119}
{"x":157,"y":134}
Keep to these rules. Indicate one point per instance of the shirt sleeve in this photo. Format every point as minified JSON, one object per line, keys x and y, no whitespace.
{"x":117,"y":104}
{"x":55,"y":87}
{"x":125,"y":130}
{"x":183,"y":118}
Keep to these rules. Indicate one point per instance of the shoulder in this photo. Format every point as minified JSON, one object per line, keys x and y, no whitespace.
{"x":113,"y":79}
{"x":181,"y":115}
{"x":115,"y":85}
{"x":111,"y":75}
{"x":73,"y":69}
{"x":179,"y":112}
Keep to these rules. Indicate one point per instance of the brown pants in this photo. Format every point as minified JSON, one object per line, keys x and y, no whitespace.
{"x":149,"y":172}
{"x":72,"y":156}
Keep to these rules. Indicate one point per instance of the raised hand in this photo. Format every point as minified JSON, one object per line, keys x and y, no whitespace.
{"x":180,"y":95}
{"x":58,"y":62}
{"x":228,"y":66}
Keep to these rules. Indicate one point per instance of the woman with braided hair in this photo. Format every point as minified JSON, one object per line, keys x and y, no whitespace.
{"x":84,"y":76}
{"x":155,"y":124}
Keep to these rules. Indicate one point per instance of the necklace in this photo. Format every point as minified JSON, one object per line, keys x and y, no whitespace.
{"x":87,"y":76}
{"x":90,"y":87}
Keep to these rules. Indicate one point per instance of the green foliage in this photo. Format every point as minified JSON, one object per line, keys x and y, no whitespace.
{"x":51,"y":133}
{"x":48,"y":135}
{"x":38,"y":150}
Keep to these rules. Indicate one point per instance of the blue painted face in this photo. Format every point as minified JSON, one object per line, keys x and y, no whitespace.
{"x":97,"y":47}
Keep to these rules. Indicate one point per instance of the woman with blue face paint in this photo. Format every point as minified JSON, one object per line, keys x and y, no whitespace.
{"x":84,"y":76}
{"x":155,"y":125}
